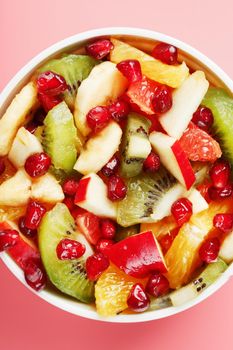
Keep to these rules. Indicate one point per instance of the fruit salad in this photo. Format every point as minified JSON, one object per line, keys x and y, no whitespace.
{"x":115,"y":178}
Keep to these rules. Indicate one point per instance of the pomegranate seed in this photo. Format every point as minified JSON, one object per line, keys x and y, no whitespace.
{"x":8,"y":238}
{"x":220,"y":193}
{"x":34,"y":274}
{"x":167,"y":240}
{"x":50,"y":83}
{"x":166,"y":53}
{"x":69,"y":202}
{"x":108,"y":228}
{"x":68,"y":249}
{"x":116,"y":188}
{"x":99,"y":49}
{"x":31,"y":127}
{"x":209,"y":250}
{"x":48,"y":102}
{"x":223,"y":222}
{"x":2,"y":166}
{"x":34,"y":214}
{"x":182,"y":210}
{"x":37,"y":164}
{"x":26,"y":231}
{"x":76,"y":211}
{"x":131,"y":69}
{"x":70,"y":187}
{"x":95,"y":265}
{"x":203,"y":118}
{"x":119,"y":110}
{"x":157,"y":285}
{"x":39,"y":116}
{"x":138,"y":301}
{"x":220,"y":174}
{"x":151,"y":163}
{"x":162,"y":99}
{"x":98,"y":117}
{"x":103,"y":245}
{"x":111,"y":167}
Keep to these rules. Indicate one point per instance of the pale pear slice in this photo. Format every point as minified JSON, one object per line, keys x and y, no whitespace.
{"x":24,"y":145}
{"x":15,"y":116}
{"x":16,"y":191}
{"x":104,"y":83}
{"x":99,"y":149}
{"x":47,"y":189}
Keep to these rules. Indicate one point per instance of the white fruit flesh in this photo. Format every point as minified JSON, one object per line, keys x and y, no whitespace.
{"x":15,"y":116}
{"x":186,"y":100}
{"x":162,"y":145}
{"x":24,"y":145}
{"x":183,"y":295}
{"x":16,"y":190}
{"x":226,"y":250}
{"x":99,"y":149}
{"x":138,"y":147}
{"x":47,"y":189}
{"x":104,"y":83}
{"x":198,"y":201}
{"x":96,"y":200}
{"x":163,"y":208}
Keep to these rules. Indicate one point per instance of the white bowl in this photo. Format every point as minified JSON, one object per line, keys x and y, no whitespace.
{"x":143,"y":39}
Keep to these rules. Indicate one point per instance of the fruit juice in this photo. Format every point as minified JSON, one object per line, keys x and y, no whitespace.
{"x":115,"y":176}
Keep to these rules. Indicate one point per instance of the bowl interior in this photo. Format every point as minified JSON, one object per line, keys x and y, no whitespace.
{"x":144,"y":40}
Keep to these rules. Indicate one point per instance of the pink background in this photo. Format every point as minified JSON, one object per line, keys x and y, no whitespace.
{"x":27,"y":27}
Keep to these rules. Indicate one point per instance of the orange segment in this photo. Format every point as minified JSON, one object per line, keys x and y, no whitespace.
{"x":161,"y":227}
{"x":11,"y":213}
{"x":9,"y":171}
{"x":112,"y":290}
{"x":183,"y":258}
{"x":154,"y":69}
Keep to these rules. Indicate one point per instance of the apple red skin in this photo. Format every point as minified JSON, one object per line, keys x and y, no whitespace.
{"x":22,"y":250}
{"x":81,"y":192}
{"x":184,"y":164}
{"x":89,"y":225}
{"x":138,"y":255}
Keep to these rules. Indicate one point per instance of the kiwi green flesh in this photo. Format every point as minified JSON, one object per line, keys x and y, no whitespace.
{"x":221,"y":105}
{"x":59,"y":137}
{"x":143,"y":194}
{"x":74,"y":69}
{"x":138,"y":126}
{"x":69,"y":276}
{"x":208,"y":276}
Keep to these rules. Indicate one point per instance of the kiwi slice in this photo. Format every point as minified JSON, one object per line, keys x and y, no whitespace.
{"x":124,"y":232}
{"x":221,"y":105}
{"x":60,"y":137}
{"x":149,"y":198}
{"x":135,"y":145}
{"x":74,"y":69}
{"x":69,"y":276}
{"x":208,"y":276}
{"x":160,"y":302}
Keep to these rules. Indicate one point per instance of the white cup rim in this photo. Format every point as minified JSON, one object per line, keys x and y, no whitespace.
{"x":58,"y":300}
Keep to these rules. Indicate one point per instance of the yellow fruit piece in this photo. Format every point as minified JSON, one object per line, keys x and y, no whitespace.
{"x":161,"y":227}
{"x":154,"y":69}
{"x":112,"y":290}
{"x":9,"y":171}
{"x":11,"y":213}
{"x":183,"y":258}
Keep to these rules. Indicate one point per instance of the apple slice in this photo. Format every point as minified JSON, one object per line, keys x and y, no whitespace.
{"x":104,"y":144}
{"x":15,"y":116}
{"x":198,"y":201}
{"x":186,"y":99}
{"x":138,"y":255}
{"x":104,"y":83}
{"x":89,"y":225}
{"x":24,"y":249}
{"x":16,"y":191}
{"x":47,"y":189}
{"x":24,"y":145}
{"x":92,"y":196}
{"x":173,"y":158}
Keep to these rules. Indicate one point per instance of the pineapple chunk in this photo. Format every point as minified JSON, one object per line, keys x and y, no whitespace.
{"x":24,"y":145}
{"x":15,"y":116}
{"x":99,"y":149}
{"x":105,"y":83}
{"x":16,"y":190}
{"x":47,"y":189}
